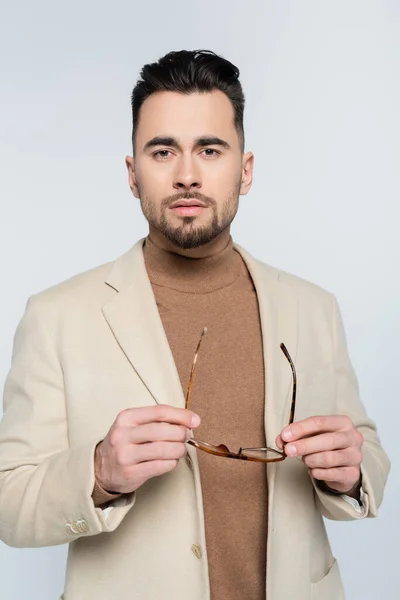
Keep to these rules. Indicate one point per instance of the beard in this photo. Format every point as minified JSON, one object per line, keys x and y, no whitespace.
{"x":189,"y":234}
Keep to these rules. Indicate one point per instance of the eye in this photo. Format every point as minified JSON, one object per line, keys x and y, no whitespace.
{"x":211,"y":151}
{"x":162,"y":154}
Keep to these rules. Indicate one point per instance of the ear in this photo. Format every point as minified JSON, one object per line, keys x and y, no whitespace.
{"x":130,"y":164}
{"x":247,"y":173}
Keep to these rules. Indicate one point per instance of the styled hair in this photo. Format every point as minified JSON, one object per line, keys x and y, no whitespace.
{"x":189,"y":71}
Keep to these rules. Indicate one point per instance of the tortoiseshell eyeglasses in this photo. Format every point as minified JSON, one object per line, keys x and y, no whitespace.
{"x":265,"y":455}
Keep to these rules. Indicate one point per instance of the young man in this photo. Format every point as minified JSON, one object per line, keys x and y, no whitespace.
{"x":93,"y":442}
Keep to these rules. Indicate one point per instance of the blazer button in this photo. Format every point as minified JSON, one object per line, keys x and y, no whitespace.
{"x":196,"y":549}
{"x":74,"y":527}
{"x":82,"y":526}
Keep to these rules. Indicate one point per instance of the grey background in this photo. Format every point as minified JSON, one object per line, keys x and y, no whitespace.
{"x":322,"y":88}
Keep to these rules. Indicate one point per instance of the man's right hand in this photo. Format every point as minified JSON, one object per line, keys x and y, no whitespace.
{"x":142,"y":443}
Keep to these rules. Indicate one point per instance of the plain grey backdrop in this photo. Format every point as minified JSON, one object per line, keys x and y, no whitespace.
{"x":321,"y":80}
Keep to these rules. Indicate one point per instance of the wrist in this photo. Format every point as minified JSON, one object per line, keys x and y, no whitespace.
{"x":99,"y":483}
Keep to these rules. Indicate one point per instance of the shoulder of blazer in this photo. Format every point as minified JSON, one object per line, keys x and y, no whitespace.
{"x":78,"y":285}
{"x":87,"y":287}
{"x":98,"y":284}
{"x":298,"y":284}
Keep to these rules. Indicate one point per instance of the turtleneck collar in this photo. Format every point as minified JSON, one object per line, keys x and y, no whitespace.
{"x":192,"y":275}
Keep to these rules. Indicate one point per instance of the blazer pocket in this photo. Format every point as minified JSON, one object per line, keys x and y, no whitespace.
{"x":330,"y":586}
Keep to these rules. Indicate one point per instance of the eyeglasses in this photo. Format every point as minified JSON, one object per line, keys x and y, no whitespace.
{"x":265,"y":455}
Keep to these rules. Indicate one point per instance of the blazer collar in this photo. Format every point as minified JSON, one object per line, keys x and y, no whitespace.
{"x":133,"y":317}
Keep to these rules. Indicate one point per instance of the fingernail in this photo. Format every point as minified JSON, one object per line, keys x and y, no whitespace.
{"x":287,"y":435}
{"x":195,"y":421}
{"x":291,"y":450}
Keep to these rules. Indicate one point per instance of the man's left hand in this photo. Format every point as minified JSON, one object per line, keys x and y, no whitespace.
{"x":330,"y":446}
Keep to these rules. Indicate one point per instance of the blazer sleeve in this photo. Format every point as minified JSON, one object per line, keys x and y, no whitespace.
{"x":45,"y":485}
{"x":375,"y":464}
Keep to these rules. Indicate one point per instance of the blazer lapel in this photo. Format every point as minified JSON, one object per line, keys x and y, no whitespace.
{"x":279,"y":323}
{"x":133,"y":317}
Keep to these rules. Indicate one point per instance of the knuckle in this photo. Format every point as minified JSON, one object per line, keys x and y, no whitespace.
{"x":167,"y":432}
{"x":319,"y":422}
{"x":122,"y":417}
{"x":162,"y":412}
{"x":328,"y":459}
{"x":114,"y":437}
{"x":159,"y":431}
{"x":153,"y":431}
{"x":347,"y":457}
{"x":299,"y":430}
{"x":317,"y":473}
{"x":343,"y":439}
{"x":308,"y":461}
{"x":350,"y":457}
{"x":359,"y":437}
{"x":163,"y":453}
{"x":347,"y":422}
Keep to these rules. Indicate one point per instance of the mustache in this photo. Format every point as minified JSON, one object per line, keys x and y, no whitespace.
{"x":207,"y":200}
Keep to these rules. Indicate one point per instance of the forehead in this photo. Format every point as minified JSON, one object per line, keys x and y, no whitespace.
{"x":186,"y":116}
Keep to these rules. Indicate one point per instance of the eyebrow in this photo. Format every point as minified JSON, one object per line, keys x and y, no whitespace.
{"x":207,"y":140}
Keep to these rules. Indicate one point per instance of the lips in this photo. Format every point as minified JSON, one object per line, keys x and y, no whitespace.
{"x":184,"y":203}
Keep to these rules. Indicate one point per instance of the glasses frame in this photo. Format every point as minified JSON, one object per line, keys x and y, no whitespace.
{"x":222,"y":450}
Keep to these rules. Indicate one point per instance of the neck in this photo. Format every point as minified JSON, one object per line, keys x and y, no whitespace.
{"x":190,"y":274}
{"x":214,"y":247}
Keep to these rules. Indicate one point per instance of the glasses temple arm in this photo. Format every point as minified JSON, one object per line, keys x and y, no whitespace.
{"x":189,"y":390}
{"x":293,"y":403}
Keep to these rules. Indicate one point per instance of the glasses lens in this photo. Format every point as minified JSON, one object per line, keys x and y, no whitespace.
{"x":267,"y":454}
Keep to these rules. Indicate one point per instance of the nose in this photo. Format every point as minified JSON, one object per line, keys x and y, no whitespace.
{"x":187,"y":175}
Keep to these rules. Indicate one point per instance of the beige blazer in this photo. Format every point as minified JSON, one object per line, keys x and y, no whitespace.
{"x":94,"y":345}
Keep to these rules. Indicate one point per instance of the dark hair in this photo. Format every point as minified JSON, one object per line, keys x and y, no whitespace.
{"x":189,"y":71}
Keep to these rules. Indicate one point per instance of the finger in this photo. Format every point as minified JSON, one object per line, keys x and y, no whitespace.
{"x":336,"y":458}
{"x":157,"y":451}
{"x":320,"y":443}
{"x":314,"y":425}
{"x":158,"y":432}
{"x":346,"y":476}
{"x":279,"y":442}
{"x":161,"y":413}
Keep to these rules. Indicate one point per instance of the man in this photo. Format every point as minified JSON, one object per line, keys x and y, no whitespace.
{"x":93,"y":442}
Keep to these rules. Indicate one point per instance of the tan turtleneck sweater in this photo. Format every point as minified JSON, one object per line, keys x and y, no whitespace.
{"x":228,"y":394}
